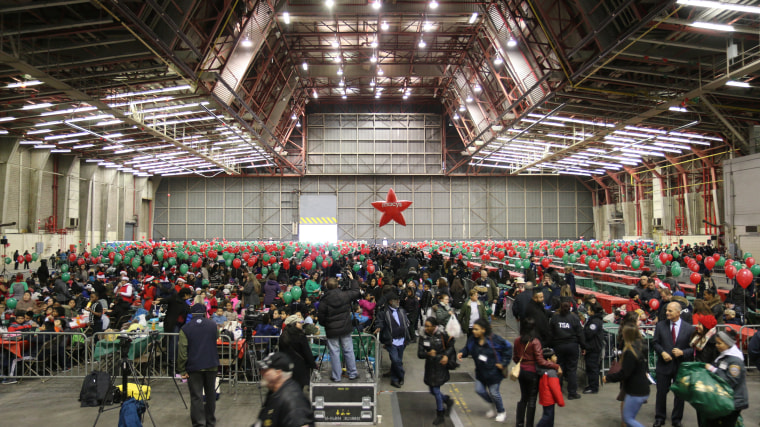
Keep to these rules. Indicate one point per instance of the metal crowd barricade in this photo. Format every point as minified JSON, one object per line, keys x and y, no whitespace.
{"x":511,"y":321}
{"x":612,"y":351}
{"x":744,"y":346}
{"x":153,"y":354}
{"x":44,"y":355}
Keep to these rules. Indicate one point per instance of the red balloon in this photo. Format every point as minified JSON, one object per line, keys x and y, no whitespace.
{"x":614,"y":266}
{"x":286,"y":264}
{"x":139,"y":268}
{"x":709,"y":262}
{"x":628,"y":260}
{"x":654,"y":303}
{"x":730,"y":271}
{"x":749,"y":261}
{"x":370,"y":268}
{"x":604,"y":263}
{"x":28,"y":258}
{"x":236,"y":262}
{"x":80,"y":261}
{"x":744,"y":277}
{"x":592,"y":264}
{"x":72,"y":257}
{"x":695,"y":278}
{"x":663,"y":257}
{"x":545,"y":262}
{"x":716,"y":256}
{"x":693,"y":266}
{"x":699,"y":258}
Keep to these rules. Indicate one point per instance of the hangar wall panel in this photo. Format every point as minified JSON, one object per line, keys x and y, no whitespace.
{"x":444,"y":208}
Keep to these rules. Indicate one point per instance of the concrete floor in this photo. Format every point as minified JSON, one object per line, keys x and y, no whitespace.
{"x":32,"y":402}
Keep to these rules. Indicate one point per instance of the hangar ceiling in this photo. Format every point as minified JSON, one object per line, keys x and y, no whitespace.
{"x":569,"y":87}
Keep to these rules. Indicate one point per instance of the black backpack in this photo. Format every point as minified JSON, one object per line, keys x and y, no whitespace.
{"x":96,"y":388}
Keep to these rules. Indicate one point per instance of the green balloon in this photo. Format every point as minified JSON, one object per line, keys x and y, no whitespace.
{"x":64,"y":268}
{"x":747,"y":255}
{"x":755,"y":269}
{"x":526,"y":263}
{"x":721,"y":262}
{"x":657,"y":263}
{"x":264,"y":271}
{"x":204,"y":282}
{"x":737,"y":264}
{"x":183,"y":268}
{"x":276,"y":267}
{"x":319,"y":260}
{"x":635,"y":264}
{"x":148,"y":259}
{"x":66,"y":277}
{"x":194,"y":258}
{"x":228,"y":263}
{"x":160,"y":255}
{"x":34,"y":256}
{"x":117,"y":259}
{"x":135,"y":262}
{"x":675,"y":268}
{"x":357,"y":267}
{"x":172,"y":261}
{"x":296,"y":292}
{"x":11,"y":302}
{"x":287,"y":297}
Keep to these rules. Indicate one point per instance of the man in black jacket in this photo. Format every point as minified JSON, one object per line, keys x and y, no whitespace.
{"x":176,"y":313}
{"x":286,"y":405}
{"x":594,"y":334}
{"x":671,"y":343}
{"x":393,"y":325}
{"x":198,"y":363}
{"x":335,"y":315}
{"x":537,"y":311}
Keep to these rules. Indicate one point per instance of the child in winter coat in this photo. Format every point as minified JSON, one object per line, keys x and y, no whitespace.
{"x":549,"y":391}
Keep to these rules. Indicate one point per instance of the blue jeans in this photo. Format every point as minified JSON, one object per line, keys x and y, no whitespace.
{"x":547,"y":419}
{"x":334,"y":345}
{"x":490,"y":393}
{"x":439,"y":398}
{"x":631,"y":406}
{"x":397,"y":362}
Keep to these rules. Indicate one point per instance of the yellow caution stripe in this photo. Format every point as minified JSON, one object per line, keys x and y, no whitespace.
{"x":318,"y":220}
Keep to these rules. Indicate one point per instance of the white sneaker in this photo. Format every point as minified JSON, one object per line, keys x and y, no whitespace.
{"x":501,"y":417}
{"x":491,"y":413}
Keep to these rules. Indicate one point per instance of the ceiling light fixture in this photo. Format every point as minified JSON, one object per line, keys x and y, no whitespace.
{"x":36,"y":106}
{"x":433,"y":4}
{"x":246,"y":42}
{"x":377,"y":4}
{"x":148,"y":92}
{"x":712,"y":26}
{"x":511,"y":42}
{"x":341,"y":83}
{"x":374,"y":43}
{"x":7,"y":119}
{"x":23,"y":84}
{"x":477,"y":88}
{"x":314,"y":94}
{"x":329,"y":3}
{"x":428,"y":26}
{"x":473,"y":17}
{"x":340,"y":71}
{"x":286,"y":17}
{"x":498,"y":61}
{"x":678,"y":109}
{"x":305,"y":66}
{"x":462,"y":108}
{"x":422,"y":43}
{"x":298,"y":124}
{"x":455,"y":116}
{"x":335,"y":44}
{"x":294,"y":116}
{"x":380,"y":71}
{"x":384,"y":26}
{"x":720,"y":5}
{"x":372,"y":83}
{"x":468,"y":99}
{"x":735,"y":83}
{"x":373,"y":58}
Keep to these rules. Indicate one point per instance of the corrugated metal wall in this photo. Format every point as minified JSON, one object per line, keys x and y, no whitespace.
{"x":443,"y":207}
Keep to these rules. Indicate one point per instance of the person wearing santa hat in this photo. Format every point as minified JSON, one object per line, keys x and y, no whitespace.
{"x":149,"y":292}
{"x":703,"y":338}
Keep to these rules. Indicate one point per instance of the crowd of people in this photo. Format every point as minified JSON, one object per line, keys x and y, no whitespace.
{"x":404,"y":295}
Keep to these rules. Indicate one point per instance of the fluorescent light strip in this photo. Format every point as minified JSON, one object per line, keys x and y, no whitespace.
{"x":142,"y":101}
{"x":545,"y":122}
{"x":65,"y":136}
{"x":7,"y":119}
{"x":720,"y":5}
{"x":61,"y":150}
{"x":23,"y":84}
{"x":573,"y":120}
{"x":737,"y":84}
{"x":68,"y":111}
{"x":36,"y":106}
{"x":80,"y":147}
{"x":148,"y":92}
{"x":713,"y":26}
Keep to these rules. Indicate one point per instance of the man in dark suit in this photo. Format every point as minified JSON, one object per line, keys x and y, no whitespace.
{"x":671,"y":343}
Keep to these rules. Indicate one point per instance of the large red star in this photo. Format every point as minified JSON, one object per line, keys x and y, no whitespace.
{"x":392,"y":208}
